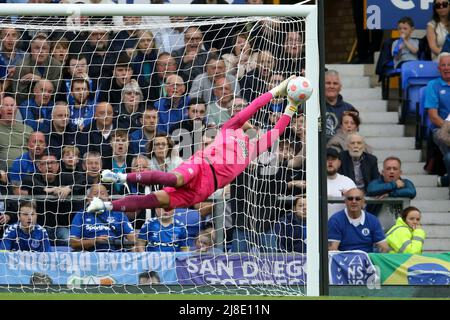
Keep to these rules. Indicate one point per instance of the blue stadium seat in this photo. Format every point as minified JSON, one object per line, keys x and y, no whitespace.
{"x":192,"y":220}
{"x":415,"y":75}
{"x":423,"y":122}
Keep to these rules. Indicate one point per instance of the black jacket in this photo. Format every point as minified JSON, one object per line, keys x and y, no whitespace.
{"x":369,"y":167}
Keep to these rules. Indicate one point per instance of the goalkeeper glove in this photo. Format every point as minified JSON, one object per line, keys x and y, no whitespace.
{"x":281,"y":89}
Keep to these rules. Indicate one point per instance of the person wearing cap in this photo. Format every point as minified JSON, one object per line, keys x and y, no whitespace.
{"x":337,"y":184}
{"x":354,"y":228}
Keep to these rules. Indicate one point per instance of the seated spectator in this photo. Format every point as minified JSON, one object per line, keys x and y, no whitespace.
{"x":13,"y":133}
{"x":191,"y":59}
{"x":143,"y":58}
{"x":60,"y":50}
{"x":162,"y":234}
{"x":173,"y":108}
{"x":37,"y":111}
{"x":204,"y":243}
{"x":334,"y":102}
{"x":437,"y":104}
{"x":437,"y":28}
{"x":100,"y":231}
{"x":161,"y":154}
{"x":120,"y":161}
{"x":253,"y":83}
{"x":292,"y":57}
{"x":219,"y":110}
{"x":147,"y":131}
{"x":192,"y":129}
{"x":405,"y":48}
{"x":97,"y":136}
{"x":389,"y":184}
{"x":407,"y":235}
{"x":26,"y":234}
{"x":355,"y":229}
{"x":357,"y":164}
{"x":36,"y":65}
{"x":25,"y":165}
{"x":129,"y":113}
{"x":127,"y":39}
{"x":350,"y":124}
{"x":165,"y":66}
{"x":92,"y":166}
{"x":110,"y":89}
{"x":240,"y":60}
{"x":56,"y":188}
{"x":291,"y":229}
{"x":71,"y":170}
{"x":170,"y":38}
{"x":83,"y":108}
{"x":203,"y":85}
{"x":337,"y":184}
{"x":10,"y":53}
{"x":60,"y":132}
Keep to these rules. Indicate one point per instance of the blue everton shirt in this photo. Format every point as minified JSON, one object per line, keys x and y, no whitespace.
{"x":363,"y":237}
{"x":164,"y":239}
{"x":88,"y":225}
{"x":15,"y":239}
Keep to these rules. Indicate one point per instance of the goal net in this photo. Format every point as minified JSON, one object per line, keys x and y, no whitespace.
{"x":85,"y":93}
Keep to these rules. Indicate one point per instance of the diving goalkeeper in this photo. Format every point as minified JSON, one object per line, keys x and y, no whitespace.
{"x":206,"y":170}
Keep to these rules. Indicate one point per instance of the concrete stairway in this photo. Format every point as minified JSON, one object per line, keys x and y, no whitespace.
{"x":382,"y":131}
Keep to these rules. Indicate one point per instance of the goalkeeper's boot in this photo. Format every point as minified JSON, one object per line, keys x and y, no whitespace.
{"x":281,"y":89}
{"x":96,"y":205}
{"x":112,"y":177}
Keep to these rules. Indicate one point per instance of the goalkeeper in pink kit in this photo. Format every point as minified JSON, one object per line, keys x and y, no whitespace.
{"x":207,"y":170}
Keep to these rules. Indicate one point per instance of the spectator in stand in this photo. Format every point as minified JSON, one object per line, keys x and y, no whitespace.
{"x":219,"y":110}
{"x":165,"y":66}
{"x":437,"y":27}
{"x":72,"y":171}
{"x":129,"y":113}
{"x":126,"y":40}
{"x":254,"y":82}
{"x":162,"y":234}
{"x":407,"y":235}
{"x":192,"y":58}
{"x":100,"y":231}
{"x":389,"y":184}
{"x":60,"y":132}
{"x":13,"y":133}
{"x":405,"y":48}
{"x":161,"y":154}
{"x":83,"y":108}
{"x":10,"y":54}
{"x":36,"y":112}
{"x":292,"y":59}
{"x":111,"y":88}
{"x":25,"y":165}
{"x":337,"y":184}
{"x":355,"y":229}
{"x":358,"y":165}
{"x":240,"y":60}
{"x":350,"y":124}
{"x":97,"y":136}
{"x":291,"y":229}
{"x":120,"y":162}
{"x":192,"y":129}
{"x":172,"y":109}
{"x":168,"y":39}
{"x":55,"y":210}
{"x":437,"y":104}
{"x":26,"y":234}
{"x":92,"y":166}
{"x":146,"y":132}
{"x":204,"y":242}
{"x":60,"y":50}
{"x":143,"y":60}
{"x":37,"y":65}
{"x":335,"y":103}
{"x":203,"y":84}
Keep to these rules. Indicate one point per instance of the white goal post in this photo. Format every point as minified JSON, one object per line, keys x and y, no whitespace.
{"x":312,"y":69}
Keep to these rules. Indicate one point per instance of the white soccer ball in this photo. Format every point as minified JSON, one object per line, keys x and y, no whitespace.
{"x":299,"y":89}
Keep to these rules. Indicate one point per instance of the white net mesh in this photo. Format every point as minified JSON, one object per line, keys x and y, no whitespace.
{"x":84,"y":94}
